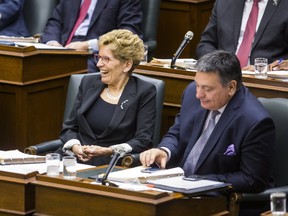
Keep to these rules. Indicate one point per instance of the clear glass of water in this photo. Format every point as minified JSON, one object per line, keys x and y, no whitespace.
{"x":69,"y":167}
{"x":53,"y":164}
{"x":278,"y":203}
{"x":261,"y":67}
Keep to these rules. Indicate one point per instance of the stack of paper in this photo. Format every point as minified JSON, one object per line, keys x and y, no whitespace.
{"x":184,"y":185}
{"x":139,"y":175}
{"x":185,"y":63}
{"x":40,"y":46}
{"x":17,"y":157}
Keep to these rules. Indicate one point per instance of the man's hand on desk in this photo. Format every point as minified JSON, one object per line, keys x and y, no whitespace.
{"x":279,"y":65}
{"x":54,"y":43}
{"x":248,"y":68}
{"x":78,"y":45}
{"x":154,"y":155}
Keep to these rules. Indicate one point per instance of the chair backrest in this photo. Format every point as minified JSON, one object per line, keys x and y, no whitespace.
{"x":36,"y":14}
{"x":151,"y":11}
{"x":75,"y":81}
{"x":278,"y":109}
{"x":160,"y":89}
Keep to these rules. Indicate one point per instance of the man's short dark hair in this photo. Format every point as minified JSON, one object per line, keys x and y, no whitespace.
{"x":226,"y":64}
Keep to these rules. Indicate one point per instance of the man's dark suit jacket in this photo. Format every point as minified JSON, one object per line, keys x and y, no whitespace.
{"x":108,"y":15}
{"x":12,"y":22}
{"x":133,"y":120}
{"x":244,"y":123}
{"x":223,"y":29}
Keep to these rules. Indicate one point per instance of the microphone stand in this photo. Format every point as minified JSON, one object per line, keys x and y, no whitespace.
{"x":187,"y":38}
{"x":113,"y":161}
{"x":176,"y":55}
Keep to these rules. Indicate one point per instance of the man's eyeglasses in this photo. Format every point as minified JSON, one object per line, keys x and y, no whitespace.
{"x":104,"y":59}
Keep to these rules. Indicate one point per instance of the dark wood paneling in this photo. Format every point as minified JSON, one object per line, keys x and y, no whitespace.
{"x":33,"y":86}
{"x":176,"y":18}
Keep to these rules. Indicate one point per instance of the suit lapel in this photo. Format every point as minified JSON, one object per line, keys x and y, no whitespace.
{"x":98,"y":9}
{"x":227,"y":116}
{"x":75,"y":8}
{"x":238,"y":13}
{"x":268,"y":13}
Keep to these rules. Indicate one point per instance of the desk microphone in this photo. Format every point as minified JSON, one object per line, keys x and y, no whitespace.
{"x":186,"y":40}
{"x":119,"y":152}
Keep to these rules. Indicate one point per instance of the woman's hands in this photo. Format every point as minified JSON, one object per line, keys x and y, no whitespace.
{"x":86,"y":153}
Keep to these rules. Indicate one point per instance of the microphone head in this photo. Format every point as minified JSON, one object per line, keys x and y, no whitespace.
{"x":122,"y":149}
{"x":189,"y":35}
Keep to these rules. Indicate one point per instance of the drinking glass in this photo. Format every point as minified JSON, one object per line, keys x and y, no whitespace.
{"x":53,"y":164}
{"x":261,"y":67}
{"x":69,"y":167}
{"x":278,"y":203}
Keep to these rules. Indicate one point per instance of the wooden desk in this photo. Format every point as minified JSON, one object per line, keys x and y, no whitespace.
{"x":177,"y":80}
{"x":17,"y":194}
{"x":175,"y":19}
{"x":269,"y":213}
{"x":33,"y":86}
{"x":56,"y":196}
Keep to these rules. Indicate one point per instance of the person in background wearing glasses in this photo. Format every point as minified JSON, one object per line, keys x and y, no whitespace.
{"x":113,"y":108}
{"x":101,"y":17}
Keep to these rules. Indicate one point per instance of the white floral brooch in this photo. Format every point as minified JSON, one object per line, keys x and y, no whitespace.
{"x":275,"y":2}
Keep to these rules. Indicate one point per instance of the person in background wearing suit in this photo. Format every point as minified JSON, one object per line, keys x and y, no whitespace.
{"x":226,"y":30}
{"x":238,"y":150}
{"x":12,"y":22}
{"x":113,"y":108}
{"x":102,"y":16}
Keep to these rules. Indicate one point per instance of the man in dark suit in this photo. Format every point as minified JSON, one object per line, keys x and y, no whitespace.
{"x":11,"y":19}
{"x":103,"y":16}
{"x":239,"y":148}
{"x":227,"y":23}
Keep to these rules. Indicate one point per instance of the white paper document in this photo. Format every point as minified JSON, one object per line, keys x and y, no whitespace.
{"x":138,"y":174}
{"x":179,"y":184}
{"x":17,"y":157}
{"x":40,"y":46}
{"x":25,"y":169}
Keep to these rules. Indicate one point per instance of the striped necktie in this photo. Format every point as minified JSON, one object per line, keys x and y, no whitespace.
{"x":250,"y":30}
{"x":82,"y":14}
{"x":194,"y":154}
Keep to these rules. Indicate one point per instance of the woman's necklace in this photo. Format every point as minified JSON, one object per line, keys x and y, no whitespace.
{"x":111,"y":96}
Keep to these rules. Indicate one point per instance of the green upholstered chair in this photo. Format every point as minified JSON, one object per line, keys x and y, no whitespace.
{"x":278,"y":109}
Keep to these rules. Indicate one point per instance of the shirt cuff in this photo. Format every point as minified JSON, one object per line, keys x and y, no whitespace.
{"x":167,"y":151}
{"x":93,"y":45}
{"x":67,"y":148}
